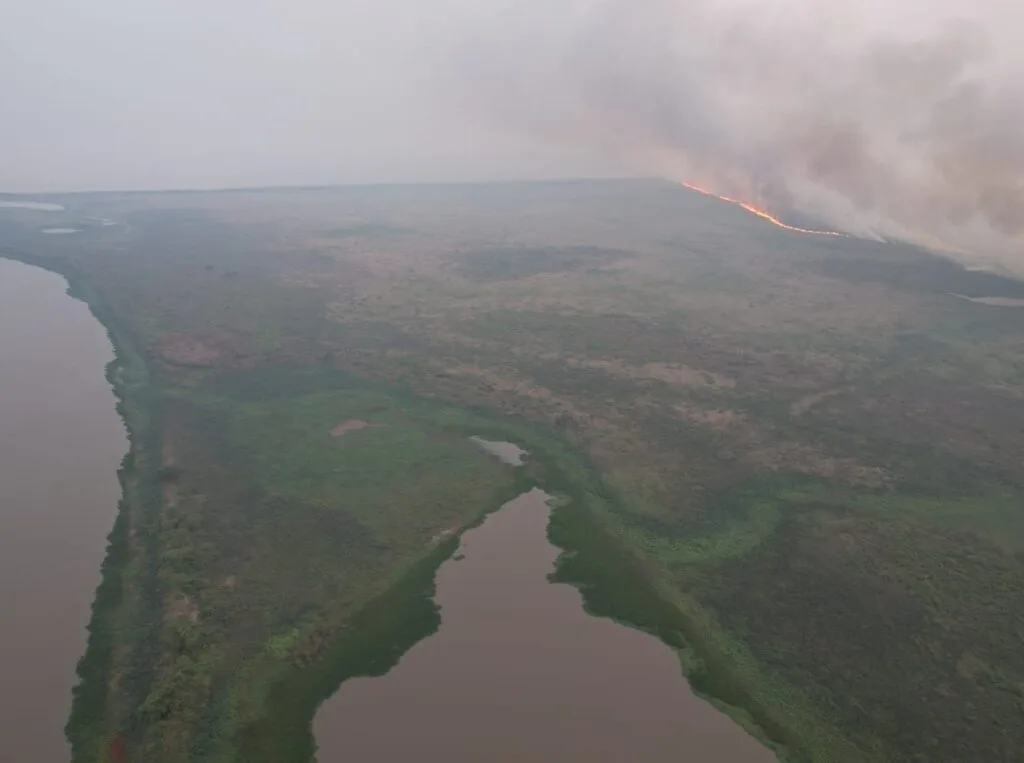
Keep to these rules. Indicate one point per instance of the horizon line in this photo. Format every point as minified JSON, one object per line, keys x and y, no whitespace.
{"x":338,"y":186}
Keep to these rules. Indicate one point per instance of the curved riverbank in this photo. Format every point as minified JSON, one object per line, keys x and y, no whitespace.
{"x":98,"y":718}
{"x":128,"y":605}
{"x":58,"y":499}
{"x":373,"y":642}
{"x":607,"y":575}
{"x":519,"y":671}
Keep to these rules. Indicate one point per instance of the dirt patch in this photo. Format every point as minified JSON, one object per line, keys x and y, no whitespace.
{"x":351,"y":425}
{"x":794,"y":456}
{"x":168,"y":475}
{"x":199,"y":350}
{"x":683,"y":376}
{"x":673,"y":374}
{"x":500,"y":386}
{"x":181,"y":607}
{"x":805,"y":403}
{"x":170,"y":494}
{"x":438,"y":537}
{"x":764,"y":450}
{"x":117,"y":752}
{"x":720,"y":420}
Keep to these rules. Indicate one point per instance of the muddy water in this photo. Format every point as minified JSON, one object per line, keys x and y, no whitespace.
{"x":507,"y":452}
{"x":520,"y":673}
{"x":60,"y":445}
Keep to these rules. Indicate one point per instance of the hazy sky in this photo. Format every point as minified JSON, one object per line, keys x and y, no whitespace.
{"x":187,"y":93}
{"x":885,"y":116}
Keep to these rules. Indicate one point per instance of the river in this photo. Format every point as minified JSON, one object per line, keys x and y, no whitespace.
{"x":518,"y":672}
{"x":61,"y":442}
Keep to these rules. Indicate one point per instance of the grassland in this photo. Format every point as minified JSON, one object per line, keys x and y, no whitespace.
{"x":797,"y":459}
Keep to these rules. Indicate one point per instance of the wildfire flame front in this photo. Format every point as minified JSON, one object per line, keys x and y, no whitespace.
{"x":762,"y":213}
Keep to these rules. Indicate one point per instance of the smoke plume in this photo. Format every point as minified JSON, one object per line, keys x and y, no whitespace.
{"x":902,"y":118}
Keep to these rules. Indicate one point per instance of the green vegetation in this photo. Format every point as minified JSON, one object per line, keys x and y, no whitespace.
{"x":379,"y":634}
{"x":335,"y":493}
{"x":795,"y":459}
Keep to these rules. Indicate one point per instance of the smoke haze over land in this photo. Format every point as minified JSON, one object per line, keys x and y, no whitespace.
{"x":901,"y":118}
{"x":894,"y":118}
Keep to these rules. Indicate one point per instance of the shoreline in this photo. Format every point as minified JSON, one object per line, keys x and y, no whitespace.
{"x":90,"y":730}
{"x":615,"y":582}
{"x":377,"y":636}
{"x":406,"y":613}
{"x":390,"y":623}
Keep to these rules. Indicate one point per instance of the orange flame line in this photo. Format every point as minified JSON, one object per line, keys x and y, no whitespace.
{"x":763,"y":214}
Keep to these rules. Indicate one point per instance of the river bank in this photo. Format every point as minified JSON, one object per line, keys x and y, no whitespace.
{"x":63,"y":441}
{"x":605,"y":573}
{"x":519,"y":671}
{"x":97,"y":716}
{"x":127,"y":611}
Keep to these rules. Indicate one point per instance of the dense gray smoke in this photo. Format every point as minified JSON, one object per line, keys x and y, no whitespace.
{"x":902,"y":118}
{"x":882,"y":117}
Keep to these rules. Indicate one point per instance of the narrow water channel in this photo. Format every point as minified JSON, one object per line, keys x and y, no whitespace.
{"x":518,"y":673}
{"x":61,"y":442}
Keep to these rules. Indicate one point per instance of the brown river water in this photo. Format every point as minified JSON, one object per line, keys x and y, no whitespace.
{"x":519,"y":673}
{"x":61,"y":442}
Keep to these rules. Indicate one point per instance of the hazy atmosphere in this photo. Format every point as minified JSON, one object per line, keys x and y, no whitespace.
{"x":510,"y":380}
{"x":895,"y":118}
